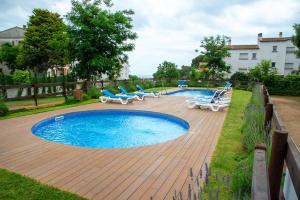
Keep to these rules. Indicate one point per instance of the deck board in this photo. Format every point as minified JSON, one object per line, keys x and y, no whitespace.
{"x":134,"y":173}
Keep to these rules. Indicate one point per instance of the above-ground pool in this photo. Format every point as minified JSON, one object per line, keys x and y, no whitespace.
{"x":191,"y":92}
{"x":111,"y":128}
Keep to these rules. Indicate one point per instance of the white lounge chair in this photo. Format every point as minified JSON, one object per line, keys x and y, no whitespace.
{"x":136,"y":96}
{"x":111,"y":97}
{"x":147,"y":93}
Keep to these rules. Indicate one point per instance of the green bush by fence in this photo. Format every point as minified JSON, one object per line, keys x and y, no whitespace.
{"x":253,"y":133}
{"x":288,"y":85}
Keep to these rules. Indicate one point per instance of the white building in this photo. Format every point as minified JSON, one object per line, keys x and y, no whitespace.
{"x":13,"y":36}
{"x":280,"y":50}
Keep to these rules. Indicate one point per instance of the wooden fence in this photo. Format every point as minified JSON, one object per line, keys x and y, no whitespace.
{"x":266,"y":179}
{"x":66,"y":88}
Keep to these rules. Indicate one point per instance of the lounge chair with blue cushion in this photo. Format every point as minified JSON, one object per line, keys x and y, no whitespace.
{"x":218,"y":97}
{"x":227,"y":86}
{"x":136,"y":96}
{"x":108,"y":96}
{"x":212,"y":104}
{"x":182,"y":83}
{"x":147,"y":93}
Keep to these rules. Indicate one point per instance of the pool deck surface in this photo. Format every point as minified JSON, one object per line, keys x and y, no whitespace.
{"x":135,"y":173}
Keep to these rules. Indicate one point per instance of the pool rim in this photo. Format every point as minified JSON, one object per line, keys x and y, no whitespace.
{"x":187,"y":89}
{"x":173,"y":118}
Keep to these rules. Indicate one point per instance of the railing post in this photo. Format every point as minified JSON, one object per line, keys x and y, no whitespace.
{"x":278,"y":153}
{"x":260,"y":180}
{"x":268,"y":114}
{"x":35,"y":93}
{"x":64,"y":88}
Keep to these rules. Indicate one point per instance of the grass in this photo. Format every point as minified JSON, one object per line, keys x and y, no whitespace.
{"x":15,"y":186}
{"x":30,"y":102}
{"x":24,"y":112}
{"x":229,"y":148}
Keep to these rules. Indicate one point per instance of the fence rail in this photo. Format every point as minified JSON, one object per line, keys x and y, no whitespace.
{"x":37,"y":90}
{"x":283,"y":150}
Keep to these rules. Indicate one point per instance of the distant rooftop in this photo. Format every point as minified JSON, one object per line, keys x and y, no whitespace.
{"x":278,"y":39}
{"x":15,"y":32}
{"x":243,"y":47}
{"x":260,"y":38}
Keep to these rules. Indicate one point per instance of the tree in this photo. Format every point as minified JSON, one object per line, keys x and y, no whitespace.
{"x":8,"y":55}
{"x":99,"y":37}
{"x":45,"y":40}
{"x":197,"y":60}
{"x":215,"y":51}
{"x":166,"y":70}
{"x":195,"y":74}
{"x":262,"y":71}
{"x":296,"y":39}
{"x":184,"y":72}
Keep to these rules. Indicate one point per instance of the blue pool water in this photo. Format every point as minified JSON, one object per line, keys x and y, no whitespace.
{"x":191,"y":92}
{"x":111,"y":128}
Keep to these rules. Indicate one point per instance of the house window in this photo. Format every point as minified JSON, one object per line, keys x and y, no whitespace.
{"x":273,"y":64}
{"x":290,"y":49}
{"x":243,"y":56}
{"x":289,"y":66}
{"x":253,"y":56}
{"x":274,"y":48}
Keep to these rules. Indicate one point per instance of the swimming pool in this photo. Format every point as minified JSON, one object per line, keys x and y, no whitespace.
{"x":191,"y":92}
{"x":111,"y":128}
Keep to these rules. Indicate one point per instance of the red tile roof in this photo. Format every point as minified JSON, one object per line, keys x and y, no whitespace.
{"x":283,"y":39}
{"x":243,"y":47}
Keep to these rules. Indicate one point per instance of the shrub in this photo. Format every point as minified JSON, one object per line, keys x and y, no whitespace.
{"x":85,"y":97}
{"x":279,"y":85}
{"x":93,"y":93}
{"x":253,"y":129}
{"x":239,"y":76}
{"x":3,"y":109}
{"x":112,"y":88}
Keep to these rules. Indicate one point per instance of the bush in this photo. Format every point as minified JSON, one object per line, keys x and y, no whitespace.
{"x":3,"y":109}
{"x":279,"y":85}
{"x":112,"y":88}
{"x":253,"y":129}
{"x":93,"y":93}
{"x":85,"y":97}
{"x":239,"y":76}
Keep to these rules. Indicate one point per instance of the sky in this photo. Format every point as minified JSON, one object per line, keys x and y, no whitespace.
{"x":172,"y":29}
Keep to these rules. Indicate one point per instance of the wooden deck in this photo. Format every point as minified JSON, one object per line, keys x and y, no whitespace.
{"x":135,"y":173}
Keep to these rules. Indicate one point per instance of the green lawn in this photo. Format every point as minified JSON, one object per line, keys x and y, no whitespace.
{"x":229,"y":147}
{"x":25,"y":112}
{"x":30,"y":102}
{"x":15,"y":186}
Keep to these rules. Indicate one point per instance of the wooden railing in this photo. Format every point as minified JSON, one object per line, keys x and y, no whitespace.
{"x":283,"y":151}
{"x":66,"y":88}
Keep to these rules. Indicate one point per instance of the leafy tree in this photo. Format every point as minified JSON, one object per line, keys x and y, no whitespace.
{"x":99,"y":37}
{"x":296,"y":38}
{"x":262,"y":71}
{"x":8,"y":55}
{"x":195,"y":74}
{"x":197,"y":60}
{"x":240,"y":76}
{"x":21,"y":76}
{"x":166,"y":70}
{"x":184,"y":72}
{"x":215,"y":51}
{"x":45,"y":40}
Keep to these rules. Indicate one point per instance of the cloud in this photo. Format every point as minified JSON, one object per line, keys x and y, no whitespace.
{"x":172,"y":29}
